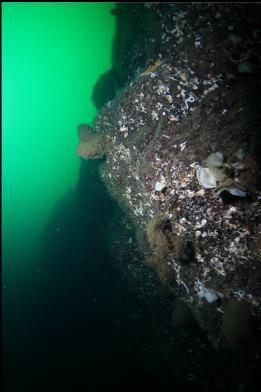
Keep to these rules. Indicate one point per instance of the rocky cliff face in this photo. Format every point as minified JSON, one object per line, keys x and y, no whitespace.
{"x":183,"y":140}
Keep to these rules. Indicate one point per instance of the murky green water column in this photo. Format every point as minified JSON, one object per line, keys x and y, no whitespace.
{"x":52,"y":54}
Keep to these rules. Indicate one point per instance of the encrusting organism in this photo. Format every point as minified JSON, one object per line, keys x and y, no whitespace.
{"x":92,"y":145}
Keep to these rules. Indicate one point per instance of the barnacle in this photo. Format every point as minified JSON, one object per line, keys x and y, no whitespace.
{"x":220,"y":175}
{"x":205,"y":178}
{"x":231,"y":186}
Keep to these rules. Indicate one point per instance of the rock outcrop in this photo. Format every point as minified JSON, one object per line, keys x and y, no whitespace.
{"x":183,"y":140}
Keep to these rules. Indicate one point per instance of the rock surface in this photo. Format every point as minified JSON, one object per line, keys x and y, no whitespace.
{"x":181,"y":99}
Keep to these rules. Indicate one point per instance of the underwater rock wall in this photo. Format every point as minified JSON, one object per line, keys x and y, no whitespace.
{"x":182,"y":156}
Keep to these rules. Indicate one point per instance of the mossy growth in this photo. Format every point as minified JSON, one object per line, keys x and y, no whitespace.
{"x":167,"y":246}
{"x":92,"y":145}
{"x":158,"y":231}
{"x":165,"y":272}
{"x":164,"y":240}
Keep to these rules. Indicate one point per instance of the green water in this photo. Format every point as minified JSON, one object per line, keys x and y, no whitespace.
{"x":52,"y":55}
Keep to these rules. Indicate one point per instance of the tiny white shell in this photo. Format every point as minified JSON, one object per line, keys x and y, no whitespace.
{"x":160,"y":185}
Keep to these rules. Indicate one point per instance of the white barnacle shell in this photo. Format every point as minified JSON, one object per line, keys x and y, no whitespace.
{"x":205,"y":178}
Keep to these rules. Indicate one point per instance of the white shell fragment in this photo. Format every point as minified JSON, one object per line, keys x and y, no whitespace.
{"x":205,"y":178}
{"x":239,"y":166}
{"x":236,"y":191}
{"x":233,"y":188}
{"x":210,"y":295}
{"x":160,"y":185}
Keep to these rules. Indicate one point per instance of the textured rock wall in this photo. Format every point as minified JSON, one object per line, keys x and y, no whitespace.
{"x":182,"y":130}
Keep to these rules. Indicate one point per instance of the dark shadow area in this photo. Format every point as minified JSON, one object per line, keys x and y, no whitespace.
{"x":77,"y":327}
{"x":133,"y":49}
{"x":64,"y":330}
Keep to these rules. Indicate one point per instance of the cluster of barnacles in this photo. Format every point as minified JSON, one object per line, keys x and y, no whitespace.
{"x":222,"y":176}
